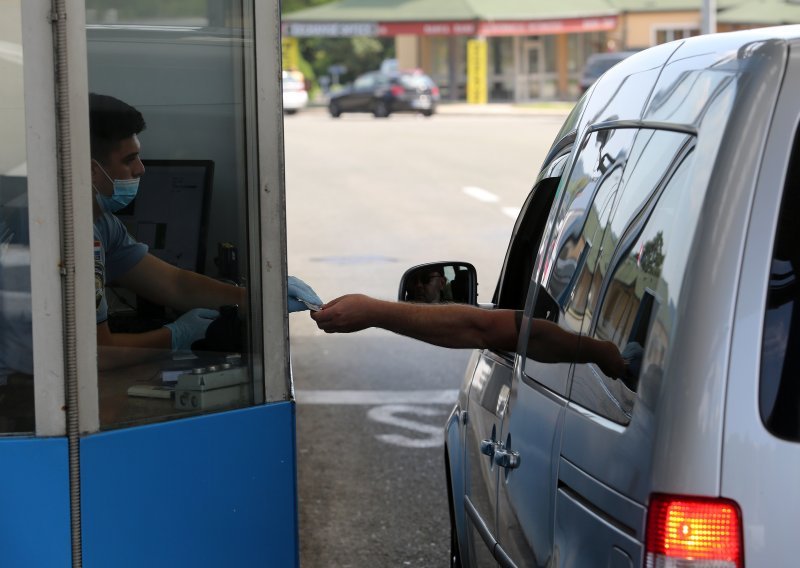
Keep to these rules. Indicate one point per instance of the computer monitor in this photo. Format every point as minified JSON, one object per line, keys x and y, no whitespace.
{"x":170,"y":212}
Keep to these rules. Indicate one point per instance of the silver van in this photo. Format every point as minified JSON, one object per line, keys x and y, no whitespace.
{"x":665,"y":219}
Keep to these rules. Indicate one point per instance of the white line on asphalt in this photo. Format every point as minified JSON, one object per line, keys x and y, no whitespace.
{"x":480,"y":194}
{"x":373,"y":397}
{"x":512,"y":212}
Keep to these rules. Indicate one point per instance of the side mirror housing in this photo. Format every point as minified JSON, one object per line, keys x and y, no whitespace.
{"x":448,"y":282}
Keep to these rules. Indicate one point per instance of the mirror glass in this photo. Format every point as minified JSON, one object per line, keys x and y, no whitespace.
{"x":439,"y":283}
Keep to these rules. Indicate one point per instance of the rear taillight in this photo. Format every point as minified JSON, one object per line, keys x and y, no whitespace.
{"x":397,"y":90}
{"x":435,"y":91}
{"x":689,"y":532}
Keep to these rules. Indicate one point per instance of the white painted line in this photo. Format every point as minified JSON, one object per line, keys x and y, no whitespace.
{"x":396,"y":415}
{"x":512,"y":212}
{"x":480,"y":194}
{"x":375,"y":397}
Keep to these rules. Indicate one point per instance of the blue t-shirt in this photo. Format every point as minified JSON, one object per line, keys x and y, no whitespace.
{"x":115,"y":253}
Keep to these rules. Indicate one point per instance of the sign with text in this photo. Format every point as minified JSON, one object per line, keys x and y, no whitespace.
{"x":477,"y":88}
{"x":330,"y":29}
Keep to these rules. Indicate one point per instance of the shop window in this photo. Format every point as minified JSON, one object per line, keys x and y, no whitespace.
{"x":667,"y":34}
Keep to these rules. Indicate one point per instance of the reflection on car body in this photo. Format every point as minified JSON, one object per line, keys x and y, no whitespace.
{"x":668,"y":233}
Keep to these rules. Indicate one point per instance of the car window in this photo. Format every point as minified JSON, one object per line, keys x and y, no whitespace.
{"x":779,"y":392}
{"x":636,"y":279}
{"x":589,"y":193}
{"x":525,"y":241}
{"x":364,"y":82}
{"x":415,"y":81}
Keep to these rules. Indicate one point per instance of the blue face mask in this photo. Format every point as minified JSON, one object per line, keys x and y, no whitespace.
{"x":124,"y":192}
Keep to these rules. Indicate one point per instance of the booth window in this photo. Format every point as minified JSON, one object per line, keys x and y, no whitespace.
{"x":187,"y":69}
{"x":16,"y":349}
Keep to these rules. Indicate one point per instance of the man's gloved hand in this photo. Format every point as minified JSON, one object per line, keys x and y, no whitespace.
{"x":190,"y":327}
{"x":299,"y":290}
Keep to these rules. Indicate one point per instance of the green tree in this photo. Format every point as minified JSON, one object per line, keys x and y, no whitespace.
{"x":652,"y":257}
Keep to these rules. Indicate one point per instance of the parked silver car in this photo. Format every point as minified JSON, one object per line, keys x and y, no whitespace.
{"x":665,"y":219}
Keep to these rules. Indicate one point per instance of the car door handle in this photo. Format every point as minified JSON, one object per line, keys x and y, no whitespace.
{"x":488,"y":447}
{"x":506,"y":458}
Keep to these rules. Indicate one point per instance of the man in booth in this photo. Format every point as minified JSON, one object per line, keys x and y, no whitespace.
{"x":116,"y":168}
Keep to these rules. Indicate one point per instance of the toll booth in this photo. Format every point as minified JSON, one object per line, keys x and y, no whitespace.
{"x":177,"y":455}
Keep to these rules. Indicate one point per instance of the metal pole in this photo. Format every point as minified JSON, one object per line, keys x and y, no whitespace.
{"x":708,"y":17}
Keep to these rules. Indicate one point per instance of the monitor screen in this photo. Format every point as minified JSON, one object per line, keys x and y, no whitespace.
{"x":170,"y":212}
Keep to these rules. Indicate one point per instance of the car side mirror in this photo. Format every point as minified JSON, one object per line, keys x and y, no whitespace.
{"x":440,"y":283}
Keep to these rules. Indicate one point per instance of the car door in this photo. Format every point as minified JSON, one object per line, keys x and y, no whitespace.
{"x":360,"y":98}
{"x":604,"y":465}
{"x":491,"y":382}
{"x":530,"y":436}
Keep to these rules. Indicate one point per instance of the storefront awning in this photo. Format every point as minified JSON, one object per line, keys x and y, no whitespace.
{"x":486,"y":29}
{"x":450,"y":18}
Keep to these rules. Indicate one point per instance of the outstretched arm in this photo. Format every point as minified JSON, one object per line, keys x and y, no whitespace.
{"x":461,"y":326}
{"x":446,"y":325}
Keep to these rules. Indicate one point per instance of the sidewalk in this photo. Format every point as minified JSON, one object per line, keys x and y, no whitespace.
{"x":491,"y":109}
{"x":500,"y":109}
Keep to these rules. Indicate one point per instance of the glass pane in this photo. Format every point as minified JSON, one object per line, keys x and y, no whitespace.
{"x":173,"y":173}
{"x":599,"y":165}
{"x":16,"y":358}
{"x":779,"y":393}
{"x":645,"y":251}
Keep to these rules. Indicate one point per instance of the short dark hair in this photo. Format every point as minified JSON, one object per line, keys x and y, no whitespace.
{"x":111,"y":121}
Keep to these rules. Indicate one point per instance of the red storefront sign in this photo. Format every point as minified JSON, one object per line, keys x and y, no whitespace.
{"x":499,"y":28}
{"x":547,"y":27}
{"x":457,"y":28}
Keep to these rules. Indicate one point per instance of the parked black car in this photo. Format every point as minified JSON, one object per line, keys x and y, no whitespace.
{"x":385,"y":93}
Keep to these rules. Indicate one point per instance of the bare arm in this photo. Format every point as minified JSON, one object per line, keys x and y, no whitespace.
{"x":447,"y":325}
{"x":180,"y":289}
{"x":461,"y":326}
{"x":121,"y":349}
{"x":550,"y":343}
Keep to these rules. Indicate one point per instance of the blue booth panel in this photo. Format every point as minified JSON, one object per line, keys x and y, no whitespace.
{"x":214,"y":490}
{"x":34,"y":503}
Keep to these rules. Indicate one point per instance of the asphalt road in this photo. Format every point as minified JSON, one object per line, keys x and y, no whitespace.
{"x":367,"y":199}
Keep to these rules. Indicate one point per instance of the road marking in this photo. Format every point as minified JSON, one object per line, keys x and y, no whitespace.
{"x":480,"y":194}
{"x":375,"y":397}
{"x":433,"y":435}
{"x":512,"y":212}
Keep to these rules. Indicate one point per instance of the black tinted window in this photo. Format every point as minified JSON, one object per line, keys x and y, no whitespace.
{"x":779,"y":394}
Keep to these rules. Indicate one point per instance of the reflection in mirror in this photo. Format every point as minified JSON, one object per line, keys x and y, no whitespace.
{"x":440,"y":283}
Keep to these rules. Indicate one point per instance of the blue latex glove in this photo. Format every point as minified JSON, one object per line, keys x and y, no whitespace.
{"x":190,"y":327}
{"x":299,"y":289}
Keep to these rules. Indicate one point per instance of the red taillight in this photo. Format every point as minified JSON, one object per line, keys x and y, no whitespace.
{"x":397,"y":90}
{"x":689,"y":531}
{"x":435,"y":91}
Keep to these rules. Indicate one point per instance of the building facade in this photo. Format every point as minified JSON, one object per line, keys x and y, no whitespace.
{"x":536,"y":49}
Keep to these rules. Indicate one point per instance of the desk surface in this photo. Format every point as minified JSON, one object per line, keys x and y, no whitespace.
{"x":118,"y":409}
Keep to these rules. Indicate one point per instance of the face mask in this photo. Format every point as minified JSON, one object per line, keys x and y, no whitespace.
{"x":124,"y":192}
